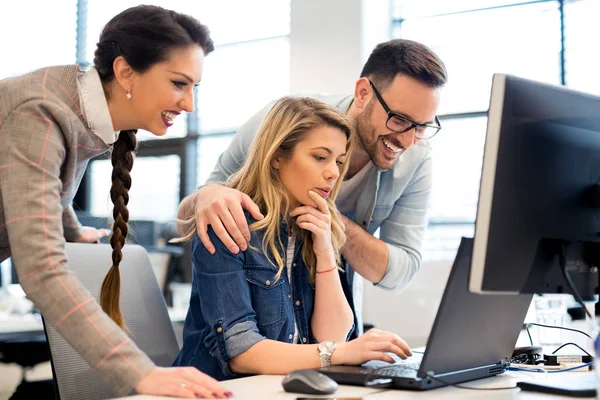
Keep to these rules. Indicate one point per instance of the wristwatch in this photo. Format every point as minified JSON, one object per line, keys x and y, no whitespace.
{"x":325,"y":351}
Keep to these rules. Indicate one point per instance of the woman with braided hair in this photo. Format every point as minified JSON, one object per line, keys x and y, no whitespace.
{"x":52,"y":122}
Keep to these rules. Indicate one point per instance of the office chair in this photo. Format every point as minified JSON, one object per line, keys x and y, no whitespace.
{"x":148,"y":234}
{"x":143,"y":308}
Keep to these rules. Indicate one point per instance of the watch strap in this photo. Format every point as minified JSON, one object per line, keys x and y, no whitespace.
{"x":325,"y":359}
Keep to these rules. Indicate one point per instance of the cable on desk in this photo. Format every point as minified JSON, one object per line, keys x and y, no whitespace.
{"x":430,"y":375}
{"x":529,"y":334}
{"x":562,"y":259}
{"x":572,"y":344}
{"x":528,"y":359}
{"x":553,"y":327}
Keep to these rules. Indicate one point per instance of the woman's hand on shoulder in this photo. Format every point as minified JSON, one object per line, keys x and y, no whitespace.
{"x":373,"y":345}
{"x":184,"y":382}
{"x":318,"y":221}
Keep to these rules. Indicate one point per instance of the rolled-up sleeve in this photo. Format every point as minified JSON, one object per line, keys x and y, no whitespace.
{"x":225,"y":301}
{"x":240,"y":337}
{"x":404,"y":229}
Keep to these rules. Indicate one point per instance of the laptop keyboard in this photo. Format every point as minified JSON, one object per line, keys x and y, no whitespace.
{"x":401,"y":369}
{"x":374,"y":370}
{"x":396,"y":370}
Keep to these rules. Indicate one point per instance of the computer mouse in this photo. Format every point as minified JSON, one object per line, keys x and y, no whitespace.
{"x":308,"y":381}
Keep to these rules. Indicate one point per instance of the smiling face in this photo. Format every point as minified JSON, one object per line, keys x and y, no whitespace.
{"x":161,"y":93}
{"x":406,"y":97}
{"x":314,"y":164}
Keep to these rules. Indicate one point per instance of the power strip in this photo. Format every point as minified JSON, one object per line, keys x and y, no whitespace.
{"x":536,"y":367}
{"x":558,"y":359}
{"x":539,"y":367}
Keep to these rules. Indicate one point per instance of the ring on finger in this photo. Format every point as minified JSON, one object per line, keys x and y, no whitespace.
{"x":184,"y":385}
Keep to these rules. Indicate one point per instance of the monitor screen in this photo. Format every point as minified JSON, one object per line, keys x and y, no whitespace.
{"x":540,"y":191}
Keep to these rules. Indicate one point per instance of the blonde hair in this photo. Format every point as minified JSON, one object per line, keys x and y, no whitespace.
{"x":286,"y":125}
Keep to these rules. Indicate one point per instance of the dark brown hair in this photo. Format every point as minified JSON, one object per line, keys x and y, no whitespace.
{"x":144,"y":36}
{"x":404,"y":57}
{"x":122,"y":162}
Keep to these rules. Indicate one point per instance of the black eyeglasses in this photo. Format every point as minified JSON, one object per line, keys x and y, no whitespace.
{"x":399,"y":124}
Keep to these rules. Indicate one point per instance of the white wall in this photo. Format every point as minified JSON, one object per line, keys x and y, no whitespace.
{"x":331,"y":39}
{"x":409,"y":314}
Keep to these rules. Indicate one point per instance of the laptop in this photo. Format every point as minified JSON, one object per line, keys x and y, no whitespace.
{"x":473,"y":337}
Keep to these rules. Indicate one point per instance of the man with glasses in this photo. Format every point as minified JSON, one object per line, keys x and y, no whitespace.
{"x":388,"y":183}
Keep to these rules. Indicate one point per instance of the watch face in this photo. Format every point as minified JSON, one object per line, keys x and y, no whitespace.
{"x":326,"y":347}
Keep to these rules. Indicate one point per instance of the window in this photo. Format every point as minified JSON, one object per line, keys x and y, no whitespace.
{"x":237,"y":21}
{"x":530,"y":48}
{"x":237,"y":85}
{"x":249,"y":68}
{"x":30,"y":42}
{"x":581,"y":35}
{"x":458,"y":149}
{"x":154,"y":193}
{"x":210,"y":148}
{"x":256,"y":31}
{"x":481,"y":37}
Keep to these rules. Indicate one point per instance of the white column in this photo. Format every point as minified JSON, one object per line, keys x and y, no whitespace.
{"x":331,"y":39}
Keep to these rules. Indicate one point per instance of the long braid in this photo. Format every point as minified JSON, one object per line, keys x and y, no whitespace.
{"x":122,"y":162}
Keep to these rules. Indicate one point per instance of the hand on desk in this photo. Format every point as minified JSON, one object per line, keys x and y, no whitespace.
{"x":185,"y":382}
{"x":373,"y":345}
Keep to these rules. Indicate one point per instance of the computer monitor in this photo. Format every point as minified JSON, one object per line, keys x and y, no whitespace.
{"x":540,"y":191}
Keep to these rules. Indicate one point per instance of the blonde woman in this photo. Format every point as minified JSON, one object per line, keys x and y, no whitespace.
{"x":265,"y":310}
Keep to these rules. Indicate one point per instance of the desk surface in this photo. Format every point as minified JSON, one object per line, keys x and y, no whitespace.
{"x":269,"y":387}
{"x":21,"y":323}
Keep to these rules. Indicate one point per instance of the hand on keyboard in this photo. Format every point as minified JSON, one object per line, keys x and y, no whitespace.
{"x":373,"y":345}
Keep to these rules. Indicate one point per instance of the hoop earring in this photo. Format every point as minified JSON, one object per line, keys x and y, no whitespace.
{"x":128,"y":95}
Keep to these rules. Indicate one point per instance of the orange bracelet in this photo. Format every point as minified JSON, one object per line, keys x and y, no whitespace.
{"x":327,"y":270}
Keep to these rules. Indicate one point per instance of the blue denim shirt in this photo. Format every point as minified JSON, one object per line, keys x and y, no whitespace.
{"x":236,"y":303}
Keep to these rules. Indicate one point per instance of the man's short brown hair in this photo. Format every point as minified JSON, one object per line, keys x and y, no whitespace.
{"x":404,"y":57}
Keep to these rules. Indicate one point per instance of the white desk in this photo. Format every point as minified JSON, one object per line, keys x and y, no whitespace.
{"x":269,"y":387}
{"x":15,"y":324}
{"x":32,"y":323}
